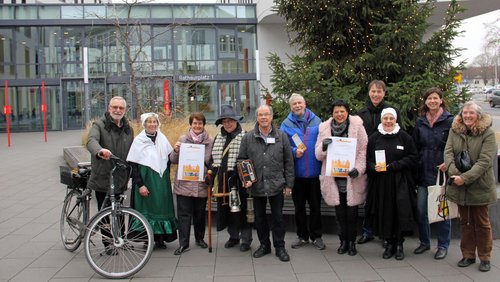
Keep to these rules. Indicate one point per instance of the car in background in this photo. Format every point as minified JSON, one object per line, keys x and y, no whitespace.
{"x":494,"y":97}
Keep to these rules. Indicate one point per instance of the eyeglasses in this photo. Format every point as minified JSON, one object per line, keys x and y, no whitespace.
{"x":117,"y":108}
{"x":263,"y":114}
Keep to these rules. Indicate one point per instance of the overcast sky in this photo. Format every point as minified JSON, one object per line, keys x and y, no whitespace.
{"x":473,"y":37}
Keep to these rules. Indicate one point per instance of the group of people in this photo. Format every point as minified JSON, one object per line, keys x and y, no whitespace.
{"x":290,"y":161}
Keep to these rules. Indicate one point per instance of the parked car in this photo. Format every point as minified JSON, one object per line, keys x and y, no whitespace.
{"x":494,"y":97}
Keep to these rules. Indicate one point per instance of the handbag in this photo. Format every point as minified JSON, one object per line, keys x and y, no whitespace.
{"x":463,"y":162}
{"x":439,"y":207}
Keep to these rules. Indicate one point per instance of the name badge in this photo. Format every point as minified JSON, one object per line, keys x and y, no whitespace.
{"x":270,"y":140}
{"x":399,"y":147}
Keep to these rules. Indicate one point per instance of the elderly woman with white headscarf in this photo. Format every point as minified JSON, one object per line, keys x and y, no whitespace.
{"x":152,"y":192}
{"x":391,"y":158}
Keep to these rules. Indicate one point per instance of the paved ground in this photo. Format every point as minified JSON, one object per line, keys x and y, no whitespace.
{"x":30,"y":248}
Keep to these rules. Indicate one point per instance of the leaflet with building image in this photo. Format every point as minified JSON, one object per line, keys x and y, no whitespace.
{"x":191,"y":162}
{"x":298,"y":143}
{"x":341,"y":156}
{"x":380,"y":160}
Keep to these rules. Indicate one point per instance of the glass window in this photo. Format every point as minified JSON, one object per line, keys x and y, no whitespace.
{"x":196,"y":96}
{"x":227,"y":43}
{"x":247,"y":12}
{"x":249,"y":99}
{"x":26,"y":52}
{"x":161,"y":12}
{"x":72,"y":12}
{"x":96,"y":40}
{"x":162,"y":42}
{"x":246,"y":41}
{"x":72,"y":52}
{"x":50,"y":51}
{"x":228,"y":66}
{"x":225,"y":11}
{"x":26,"y":13}
{"x":6,"y":12}
{"x":183,"y":11}
{"x":195,"y":43}
{"x":204,"y":12}
{"x":95,"y":12}
{"x":49,"y":12}
{"x":6,"y":46}
{"x":140,"y":12}
{"x":117,"y":12}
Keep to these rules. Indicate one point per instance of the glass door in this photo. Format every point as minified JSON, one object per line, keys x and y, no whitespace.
{"x":228,"y":95}
{"x":73,"y":104}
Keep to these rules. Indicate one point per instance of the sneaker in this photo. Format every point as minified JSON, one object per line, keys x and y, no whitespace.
{"x":299,"y":243}
{"x":318,"y":243}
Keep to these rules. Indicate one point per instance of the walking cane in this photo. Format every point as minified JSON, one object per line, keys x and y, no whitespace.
{"x":210,"y":184}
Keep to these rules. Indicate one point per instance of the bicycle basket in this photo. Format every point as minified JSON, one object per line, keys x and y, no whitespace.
{"x":66,"y":176}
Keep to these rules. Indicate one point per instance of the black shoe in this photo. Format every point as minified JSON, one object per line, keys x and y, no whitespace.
{"x":282,"y":254}
{"x":364,"y":239}
{"x":200,"y":243}
{"x":352,"y":249}
{"x":441,"y":253}
{"x":400,"y":255}
{"x":484,"y":266}
{"x":244,"y":247}
{"x":389,"y":252}
{"x":421,"y":249}
{"x":343,"y":248}
{"x":231,"y":243}
{"x":160,"y":245}
{"x":181,"y":250}
{"x":385,"y":243}
{"x":261,"y":251}
{"x":464,"y":262}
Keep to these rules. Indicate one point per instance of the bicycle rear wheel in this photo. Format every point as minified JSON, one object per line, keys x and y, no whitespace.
{"x":71,"y":220}
{"x":129,"y":254}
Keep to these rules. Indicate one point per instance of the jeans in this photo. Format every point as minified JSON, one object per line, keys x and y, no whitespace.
{"x":307,"y":190}
{"x":261,"y":224}
{"x":424,"y":229}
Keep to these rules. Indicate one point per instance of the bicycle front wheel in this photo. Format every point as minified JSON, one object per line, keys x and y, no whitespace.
{"x":71,"y":220}
{"x":123,"y":256}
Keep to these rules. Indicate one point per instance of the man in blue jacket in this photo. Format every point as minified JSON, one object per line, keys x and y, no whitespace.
{"x":301,"y":126}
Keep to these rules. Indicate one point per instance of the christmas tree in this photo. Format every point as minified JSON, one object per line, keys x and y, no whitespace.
{"x":346,"y":44}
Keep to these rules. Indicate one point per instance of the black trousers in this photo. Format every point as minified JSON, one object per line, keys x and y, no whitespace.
{"x":347,"y":219}
{"x":261,"y":224}
{"x":307,"y":190}
{"x":191,"y":209}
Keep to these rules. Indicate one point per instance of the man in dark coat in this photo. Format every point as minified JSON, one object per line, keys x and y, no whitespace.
{"x":110,"y":135}
{"x":269,"y":150}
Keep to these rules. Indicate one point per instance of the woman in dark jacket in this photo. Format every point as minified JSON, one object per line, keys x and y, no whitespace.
{"x":391,"y":187}
{"x":430,"y":135}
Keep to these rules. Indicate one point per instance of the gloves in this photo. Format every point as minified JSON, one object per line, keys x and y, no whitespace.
{"x":326,"y":142}
{"x":353,"y":173}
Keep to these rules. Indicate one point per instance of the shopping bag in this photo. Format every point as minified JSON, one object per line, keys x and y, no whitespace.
{"x":439,"y":207}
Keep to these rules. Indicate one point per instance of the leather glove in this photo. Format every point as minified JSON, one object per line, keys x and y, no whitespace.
{"x":353,"y":173}
{"x":326,"y":142}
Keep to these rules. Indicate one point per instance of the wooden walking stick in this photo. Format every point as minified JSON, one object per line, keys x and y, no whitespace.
{"x":210,"y":184}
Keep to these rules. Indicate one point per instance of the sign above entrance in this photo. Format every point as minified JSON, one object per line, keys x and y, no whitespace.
{"x":195,"y":77}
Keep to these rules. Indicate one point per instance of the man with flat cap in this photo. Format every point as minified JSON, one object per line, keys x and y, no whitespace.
{"x":224,"y":154}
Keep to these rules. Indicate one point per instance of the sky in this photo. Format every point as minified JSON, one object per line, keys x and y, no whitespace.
{"x":473,"y":37}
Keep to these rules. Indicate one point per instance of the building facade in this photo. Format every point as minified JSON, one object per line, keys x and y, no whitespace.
{"x":186,"y":57}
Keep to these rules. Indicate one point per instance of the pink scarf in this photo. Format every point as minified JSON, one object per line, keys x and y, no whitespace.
{"x":433,"y":119}
{"x":198,"y":139}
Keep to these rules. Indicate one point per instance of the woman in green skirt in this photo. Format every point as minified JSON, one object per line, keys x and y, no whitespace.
{"x":151,"y":189}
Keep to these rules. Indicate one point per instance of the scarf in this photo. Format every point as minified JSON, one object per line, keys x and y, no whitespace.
{"x":433,"y":119}
{"x":198,"y":138}
{"x":340,"y":130}
{"x":150,"y":154}
{"x":233,"y":151}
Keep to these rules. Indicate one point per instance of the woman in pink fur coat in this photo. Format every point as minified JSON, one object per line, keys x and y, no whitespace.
{"x":345,"y":193}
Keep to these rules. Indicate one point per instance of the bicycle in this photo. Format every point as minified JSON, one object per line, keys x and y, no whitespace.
{"x":118,"y":240}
